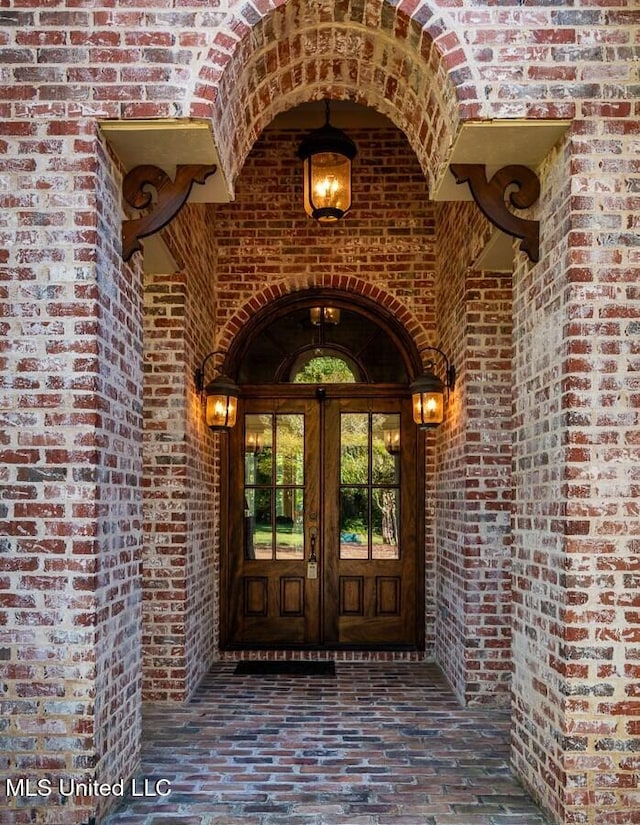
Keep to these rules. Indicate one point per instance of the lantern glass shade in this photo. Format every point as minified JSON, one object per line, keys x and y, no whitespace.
{"x":327,"y":186}
{"x":327,"y":154}
{"x":392,"y":440}
{"x":427,"y":396}
{"x":222,"y":403}
{"x":253,"y":440}
{"x":391,"y":435}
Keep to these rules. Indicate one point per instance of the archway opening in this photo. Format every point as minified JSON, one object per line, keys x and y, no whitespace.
{"x":323,"y":482}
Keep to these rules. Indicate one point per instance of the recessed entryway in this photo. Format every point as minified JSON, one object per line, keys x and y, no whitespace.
{"x":324,"y":489}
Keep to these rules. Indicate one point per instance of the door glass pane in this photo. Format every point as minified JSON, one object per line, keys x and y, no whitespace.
{"x":354,"y":523}
{"x":290,"y":449}
{"x":386,"y":448}
{"x":385,"y":523}
{"x":323,"y":369}
{"x":258,"y":524}
{"x":354,"y":448}
{"x":273,"y":491}
{"x":258,"y":448}
{"x":289,"y":523}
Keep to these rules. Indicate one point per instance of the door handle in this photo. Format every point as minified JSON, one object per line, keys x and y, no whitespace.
{"x":312,"y":564}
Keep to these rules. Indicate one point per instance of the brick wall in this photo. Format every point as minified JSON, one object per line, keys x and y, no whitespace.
{"x":539,"y":507}
{"x":575,"y":591}
{"x":71,"y":413}
{"x":385,"y":244}
{"x":473,"y":461}
{"x":165,"y":493}
{"x":116,"y":471}
{"x":487,"y":536}
{"x":181,"y":512}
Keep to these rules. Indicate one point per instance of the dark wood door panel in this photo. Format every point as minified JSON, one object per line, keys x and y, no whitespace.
{"x":365,"y":632}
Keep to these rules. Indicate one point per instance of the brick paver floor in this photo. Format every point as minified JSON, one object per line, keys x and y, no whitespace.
{"x":378,"y":743}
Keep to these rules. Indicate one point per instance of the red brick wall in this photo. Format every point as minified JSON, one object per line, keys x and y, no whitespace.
{"x":69,"y":567}
{"x":575,"y":467}
{"x":540,"y":504}
{"x":181,"y":512}
{"x":165,"y":488}
{"x":117,"y":476}
{"x":387,"y":240}
{"x":473,"y":466}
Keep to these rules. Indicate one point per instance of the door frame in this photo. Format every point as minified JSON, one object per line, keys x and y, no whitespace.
{"x":309,"y":391}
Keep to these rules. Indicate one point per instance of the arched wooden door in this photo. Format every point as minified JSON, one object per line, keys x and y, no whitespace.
{"x":323,"y":534}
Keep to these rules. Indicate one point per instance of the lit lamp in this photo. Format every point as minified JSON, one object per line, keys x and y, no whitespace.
{"x":253,"y":439}
{"x":327,"y":154}
{"x":427,"y":393}
{"x":221,"y":396}
{"x":324,"y":315}
{"x":391,"y":436}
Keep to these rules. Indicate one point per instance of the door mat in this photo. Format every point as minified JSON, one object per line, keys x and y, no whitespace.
{"x":287,"y":668}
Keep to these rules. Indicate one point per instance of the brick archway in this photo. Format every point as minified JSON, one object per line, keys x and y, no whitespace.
{"x":345,"y":284}
{"x":400,"y":61}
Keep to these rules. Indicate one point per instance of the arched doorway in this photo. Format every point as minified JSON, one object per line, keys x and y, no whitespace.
{"x":324,"y":496}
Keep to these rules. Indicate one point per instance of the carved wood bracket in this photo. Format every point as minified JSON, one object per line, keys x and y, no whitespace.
{"x":490,"y":197}
{"x":171,"y":196}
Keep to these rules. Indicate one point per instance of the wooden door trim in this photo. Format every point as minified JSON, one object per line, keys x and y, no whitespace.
{"x":289,"y":391}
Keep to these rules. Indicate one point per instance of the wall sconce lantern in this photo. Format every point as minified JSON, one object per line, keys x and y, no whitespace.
{"x":427,"y":393}
{"x":327,"y":154}
{"x":221,"y":396}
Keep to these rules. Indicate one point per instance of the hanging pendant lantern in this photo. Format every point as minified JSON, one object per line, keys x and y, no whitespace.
{"x":327,"y":154}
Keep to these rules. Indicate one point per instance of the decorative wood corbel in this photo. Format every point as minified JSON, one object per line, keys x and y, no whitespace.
{"x":490,"y":197}
{"x":171,"y":197}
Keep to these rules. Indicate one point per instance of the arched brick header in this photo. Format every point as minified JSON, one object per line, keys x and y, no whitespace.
{"x":399,"y":60}
{"x":373,"y":294}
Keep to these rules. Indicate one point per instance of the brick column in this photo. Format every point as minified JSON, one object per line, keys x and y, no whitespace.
{"x":71,"y":416}
{"x":577,"y":451}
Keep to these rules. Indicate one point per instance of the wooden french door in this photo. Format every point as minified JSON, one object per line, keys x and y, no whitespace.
{"x":322,"y":531}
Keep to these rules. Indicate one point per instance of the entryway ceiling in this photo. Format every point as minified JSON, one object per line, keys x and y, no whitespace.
{"x":171,"y":142}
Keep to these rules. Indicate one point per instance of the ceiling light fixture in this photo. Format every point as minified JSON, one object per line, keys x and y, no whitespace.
{"x":327,"y":154}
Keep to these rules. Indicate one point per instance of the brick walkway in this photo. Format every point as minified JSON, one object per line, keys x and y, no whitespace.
{"x":379,"y":743}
